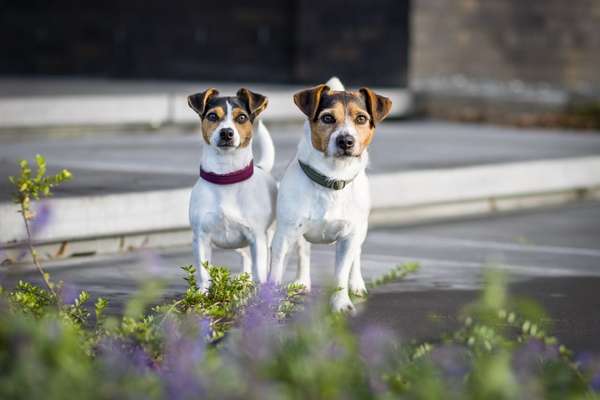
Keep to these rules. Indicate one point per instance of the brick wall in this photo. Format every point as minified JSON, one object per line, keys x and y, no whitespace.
{"x":537,"y":41}
{"x":540,"y":52}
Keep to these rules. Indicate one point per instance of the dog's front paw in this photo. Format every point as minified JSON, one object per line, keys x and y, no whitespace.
{"x":340,"y":302}
{"x":305,"y":283}
{"x":204,"y":286}
{"x":358,"y":288}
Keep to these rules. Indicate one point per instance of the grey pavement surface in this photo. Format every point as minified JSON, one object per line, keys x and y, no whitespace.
{"x":112,"y":162}
{"x":552,"y":255}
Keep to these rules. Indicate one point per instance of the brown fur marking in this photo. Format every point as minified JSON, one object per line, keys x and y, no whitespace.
{"x":208,"y":127}
{"x":244,"y":129}
{"x":343,"y":106}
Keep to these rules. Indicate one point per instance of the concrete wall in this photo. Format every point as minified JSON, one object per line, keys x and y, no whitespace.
{"x":481,"y":54}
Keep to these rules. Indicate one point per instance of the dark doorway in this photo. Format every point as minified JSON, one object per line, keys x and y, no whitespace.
{"x":295,"y":41}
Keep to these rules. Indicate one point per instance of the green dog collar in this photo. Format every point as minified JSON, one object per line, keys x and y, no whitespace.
{"x":323,"y":180}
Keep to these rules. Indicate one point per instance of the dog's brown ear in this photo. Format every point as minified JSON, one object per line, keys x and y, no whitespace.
{"x":378,"y":106}
{"x":308,"y":100}
{"x":256,"y":102}
{"x":198,"y":101}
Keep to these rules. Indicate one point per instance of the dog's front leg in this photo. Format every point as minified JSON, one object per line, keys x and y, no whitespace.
{"x":259,"y":248}
{"x":303,"y":274}
{"x":357,"y":283}
{"x":344,"y":256}
{"x":202,"y":253}
{"x":285,"y":236}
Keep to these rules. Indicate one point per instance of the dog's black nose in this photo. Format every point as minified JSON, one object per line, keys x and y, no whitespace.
{"x":226,"y":134}
{"x":345,"y":142}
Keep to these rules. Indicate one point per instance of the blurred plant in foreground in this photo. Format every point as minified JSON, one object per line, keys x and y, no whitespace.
{"x":239,"y":340}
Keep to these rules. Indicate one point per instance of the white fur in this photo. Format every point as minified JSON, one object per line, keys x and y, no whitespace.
{"x":335,"y":84}
{"x":263,"y":144}
{"x":306,"y":210}
{"x":234,"y":216}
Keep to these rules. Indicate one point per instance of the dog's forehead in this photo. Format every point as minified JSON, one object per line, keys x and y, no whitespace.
{"x":331,"y":99}
{"x":222,"y":102}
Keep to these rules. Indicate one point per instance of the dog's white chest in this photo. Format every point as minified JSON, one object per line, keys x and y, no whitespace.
{"x":225,"y":232}
{"x":332,"y":216}
{"x":229,"y":215}
{"x":326,"y":231}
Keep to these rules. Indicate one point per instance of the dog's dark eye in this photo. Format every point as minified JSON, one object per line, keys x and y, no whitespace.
{"x":241,"y":119}
{"x":327,"y":119}
{"x":212,"y":117}
{"x":361,"y":119}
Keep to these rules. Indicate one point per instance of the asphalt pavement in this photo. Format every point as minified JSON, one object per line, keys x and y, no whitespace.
{"x":116,"y":162}
{"x":551,"y":255}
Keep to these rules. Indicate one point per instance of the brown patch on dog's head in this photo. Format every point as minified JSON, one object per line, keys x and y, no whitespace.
{"x":234,"y":112}
{"x":198,"y":101}
{"x":352,"y":115}
{"x":255,"y":103}
{"x":378,"y":106}
{"x":215,"y":112}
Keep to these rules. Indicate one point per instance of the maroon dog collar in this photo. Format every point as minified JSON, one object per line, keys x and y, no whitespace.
{"x":230,"y":178}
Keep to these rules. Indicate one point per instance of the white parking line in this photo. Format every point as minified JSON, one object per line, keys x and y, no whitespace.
{"x":533,"y":270}
{"x":429,"y":241}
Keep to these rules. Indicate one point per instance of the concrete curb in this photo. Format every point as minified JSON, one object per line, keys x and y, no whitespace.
{"x":159,"y":218}
{"x":153,"y":109}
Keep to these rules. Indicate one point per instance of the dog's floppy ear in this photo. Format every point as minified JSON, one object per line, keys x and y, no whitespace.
{"x":308,"y":100}
{"x":378,"y":106}
{"x":198,"y":101}
{"x":256,"y":102}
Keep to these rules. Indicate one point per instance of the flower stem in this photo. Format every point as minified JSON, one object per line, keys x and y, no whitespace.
{"x":33,"y":253}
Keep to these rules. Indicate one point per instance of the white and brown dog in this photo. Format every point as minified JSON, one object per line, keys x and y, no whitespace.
{"x":324,"y":194}
{"x":233,"y":203}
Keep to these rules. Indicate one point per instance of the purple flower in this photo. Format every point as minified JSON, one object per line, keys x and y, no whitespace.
{"x":121,"y":358}
{"x":69,"y":293}
{"x":151,"y":262}
{"x":184,"y":351}
{"x":374,"y":343}
{"x":528,"y":358}
{"x":453,"y":361}
{"x":41,"y":218}
{"x":595,"y":382}
{"x":259,"y":322}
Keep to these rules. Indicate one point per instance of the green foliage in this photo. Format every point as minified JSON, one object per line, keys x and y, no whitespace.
{"x":314,"y":356}
{"x":222,"y":302}
{"x":31,"y":186}
{"x":28,"y":187}
{"x":397,"y":273}
{"x":31,"y":299}
{"x":277,"y":348}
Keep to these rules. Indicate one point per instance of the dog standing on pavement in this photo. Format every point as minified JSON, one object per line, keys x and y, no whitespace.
{"x":324,"y":194}
{"x":233,"y":202}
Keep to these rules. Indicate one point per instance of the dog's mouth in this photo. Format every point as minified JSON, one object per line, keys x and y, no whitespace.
{"x":225,"y":144}
{"x":345,"y":153}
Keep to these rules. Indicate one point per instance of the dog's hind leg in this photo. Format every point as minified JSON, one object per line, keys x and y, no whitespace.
{"x":202,"y":253}
{"x":259,"y":248}
{"x":246,"y":260}
{"x":285,"y":237}
{"x":303,"y":273}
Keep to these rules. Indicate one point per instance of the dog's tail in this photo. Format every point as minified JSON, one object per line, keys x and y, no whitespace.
{"x":335,"y":84}
{"x":263,"y":147}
